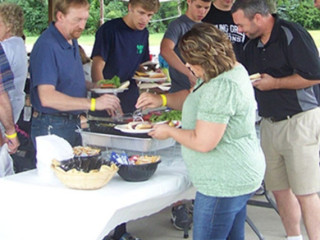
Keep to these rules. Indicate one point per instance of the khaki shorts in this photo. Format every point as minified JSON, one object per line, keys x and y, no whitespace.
{"x":291,"y":149}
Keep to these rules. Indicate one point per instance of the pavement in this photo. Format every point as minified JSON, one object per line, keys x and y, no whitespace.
{"x":159,"y":227}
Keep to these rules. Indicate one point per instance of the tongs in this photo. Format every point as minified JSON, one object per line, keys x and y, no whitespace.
{"x":137,"y":115}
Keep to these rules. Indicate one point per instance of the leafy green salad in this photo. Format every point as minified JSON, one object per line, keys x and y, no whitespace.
{"x":166,"y":116}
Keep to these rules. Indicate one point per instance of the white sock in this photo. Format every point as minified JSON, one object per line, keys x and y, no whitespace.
{"x":295,"y":237}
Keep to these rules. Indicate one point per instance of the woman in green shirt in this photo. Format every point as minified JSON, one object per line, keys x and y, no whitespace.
{"x":218,"y":137}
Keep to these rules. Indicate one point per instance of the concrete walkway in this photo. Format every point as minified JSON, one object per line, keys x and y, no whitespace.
{"x":159,"y":227}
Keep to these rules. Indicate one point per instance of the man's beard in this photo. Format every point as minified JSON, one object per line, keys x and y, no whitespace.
{"x":76,"y":34}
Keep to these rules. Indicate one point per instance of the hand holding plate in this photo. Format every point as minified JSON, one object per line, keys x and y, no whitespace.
{"x":161,"y":131}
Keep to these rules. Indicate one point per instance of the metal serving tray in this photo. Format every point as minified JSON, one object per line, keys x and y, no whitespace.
{"x":124,"y":142}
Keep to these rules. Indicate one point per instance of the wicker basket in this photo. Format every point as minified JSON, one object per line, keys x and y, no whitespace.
{"x":94,"y":179}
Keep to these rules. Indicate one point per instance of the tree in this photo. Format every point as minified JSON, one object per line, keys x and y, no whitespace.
{"x":300,"y":11}
{"x":36,"y":13}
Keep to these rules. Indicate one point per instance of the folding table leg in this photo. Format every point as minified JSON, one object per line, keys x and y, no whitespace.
{"x":254,"y":228}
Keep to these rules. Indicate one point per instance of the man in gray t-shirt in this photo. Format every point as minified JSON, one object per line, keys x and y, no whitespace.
{"x":181,"y":76}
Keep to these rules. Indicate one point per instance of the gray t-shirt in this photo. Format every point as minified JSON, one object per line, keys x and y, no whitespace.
{"x":175,"y":31}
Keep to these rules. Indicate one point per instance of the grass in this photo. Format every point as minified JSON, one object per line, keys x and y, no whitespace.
{"x":155,"y":39}
{"x":316,"y":36}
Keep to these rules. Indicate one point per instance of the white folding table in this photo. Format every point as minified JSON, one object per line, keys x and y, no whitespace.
{"x":33,"y":209}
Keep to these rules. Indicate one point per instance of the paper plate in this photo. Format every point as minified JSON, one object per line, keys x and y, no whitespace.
{"x":176,"y":123}
{"x":148,"y":79}
{"x":108,"y":90}
{"x":124,"y":128}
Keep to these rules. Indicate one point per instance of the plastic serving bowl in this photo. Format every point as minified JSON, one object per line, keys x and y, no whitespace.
{"x":93,"y":179}
{"x":84,"y":164}
{"x":138,"y":173}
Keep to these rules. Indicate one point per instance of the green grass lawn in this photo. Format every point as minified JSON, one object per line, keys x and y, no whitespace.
{"x":155,"y":39}
{"x":316,"y":36}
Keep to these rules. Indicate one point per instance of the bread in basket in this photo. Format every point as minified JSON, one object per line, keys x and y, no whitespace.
{"x":76,"y":179}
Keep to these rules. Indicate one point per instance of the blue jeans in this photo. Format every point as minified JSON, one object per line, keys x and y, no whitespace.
{"x":219,"y":218}
{"x":60,"y":126}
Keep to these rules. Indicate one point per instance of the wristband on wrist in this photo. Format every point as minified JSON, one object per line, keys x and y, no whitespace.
{"x":93,"y":104}
{"x":11,"y":136}
{"x":164,"y":100}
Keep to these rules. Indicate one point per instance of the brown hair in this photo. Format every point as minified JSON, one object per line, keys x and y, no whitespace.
{"x":64,"y":5}
{"x":207,"y":46}
{"x":148,"y":5}
{"x":12,"y":17}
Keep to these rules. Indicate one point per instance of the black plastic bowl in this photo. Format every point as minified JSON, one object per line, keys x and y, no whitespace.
{"x":88,"y":163}
{"x":84,"y":164}
{"x":137,"y":173}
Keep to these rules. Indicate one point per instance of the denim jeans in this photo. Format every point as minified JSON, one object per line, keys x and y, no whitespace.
{"x":219,"y":218}
{"x":60,"y":126}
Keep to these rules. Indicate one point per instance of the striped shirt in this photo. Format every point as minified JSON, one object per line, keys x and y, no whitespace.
{"x":6,"y":75}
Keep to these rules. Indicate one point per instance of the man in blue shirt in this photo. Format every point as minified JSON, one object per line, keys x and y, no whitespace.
{"x":58,"y":91}
{"x":121,"y":45}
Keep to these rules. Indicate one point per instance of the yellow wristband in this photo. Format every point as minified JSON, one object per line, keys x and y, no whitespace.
{"x":93,"y":104}
{"x":12,"y":136}
{"x":164,"y":100}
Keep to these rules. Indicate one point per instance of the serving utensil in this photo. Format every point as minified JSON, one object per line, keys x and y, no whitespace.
{"x":137,"y":115}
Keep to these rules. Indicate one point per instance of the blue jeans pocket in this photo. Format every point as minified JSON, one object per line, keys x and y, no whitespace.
{"x":60,"y":126}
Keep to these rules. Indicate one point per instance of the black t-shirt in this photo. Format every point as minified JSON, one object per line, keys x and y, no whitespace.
{"x":289,"y":50}
{"x":223,"y":20}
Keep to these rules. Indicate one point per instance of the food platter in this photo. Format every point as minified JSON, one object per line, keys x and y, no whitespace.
{"x":124,"y":142}
{"x":108,"y":90}
{"x":124,"y":128}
